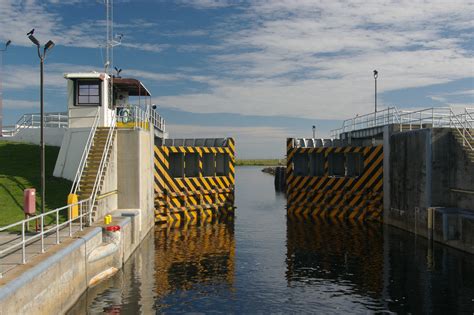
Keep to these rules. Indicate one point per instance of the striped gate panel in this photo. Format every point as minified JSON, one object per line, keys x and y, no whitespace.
{"x":339,"y":197}
{"x":187,"y":198}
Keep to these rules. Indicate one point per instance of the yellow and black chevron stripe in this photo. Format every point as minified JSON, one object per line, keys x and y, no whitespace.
{"x":356,"y":198}
{"x":177,"y":197}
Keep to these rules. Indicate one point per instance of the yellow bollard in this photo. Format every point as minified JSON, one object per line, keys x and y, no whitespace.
{"x":72,"y":199}
{"x":107,"y":219}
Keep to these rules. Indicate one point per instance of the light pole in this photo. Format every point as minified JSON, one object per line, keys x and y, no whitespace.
{"x":1,"y":92}
{"x":49,"y":45}
{"x":314,"y":131}
{"x":376,"y":75}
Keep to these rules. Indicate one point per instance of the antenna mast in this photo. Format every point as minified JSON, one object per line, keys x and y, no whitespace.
{"x":109,"y":40}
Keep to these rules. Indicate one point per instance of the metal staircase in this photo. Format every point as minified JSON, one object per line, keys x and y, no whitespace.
{"x":92,"y":170}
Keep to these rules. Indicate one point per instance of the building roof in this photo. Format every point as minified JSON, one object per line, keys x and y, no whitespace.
{"x":133,"y":86}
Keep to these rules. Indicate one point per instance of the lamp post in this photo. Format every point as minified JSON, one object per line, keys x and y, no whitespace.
{"x":376,"y":75}
{"x":49,"y":45}
{"x":314,"y":131}
{"x":1,"y":92}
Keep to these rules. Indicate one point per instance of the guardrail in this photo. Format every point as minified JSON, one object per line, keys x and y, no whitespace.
{"x":436,"y":117}
{"x":84,"y":217}
{"x":135,"y":116}
{"x":51,"y":120}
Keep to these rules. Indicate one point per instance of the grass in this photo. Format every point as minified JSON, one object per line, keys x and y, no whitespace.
{"x":261,"y":162}
{"x":20,"y":169}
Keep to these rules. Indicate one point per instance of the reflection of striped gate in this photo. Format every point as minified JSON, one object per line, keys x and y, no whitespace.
{"x":189,"y":197}
{"x":339,"y":196}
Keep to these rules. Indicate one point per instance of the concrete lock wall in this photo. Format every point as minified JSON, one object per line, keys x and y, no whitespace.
{"x":431,"y":187}
{"x":135,"y":172}
{"x":71,"y":267}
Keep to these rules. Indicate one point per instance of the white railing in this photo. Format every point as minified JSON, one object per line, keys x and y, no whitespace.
{"x":51,"y":120}
{"x":43,"y":230}
{"x":103,"y":161}
{"x":85,"y":154}
{"x":463,"y":123}
{"x":134,"y":116}
{"x":438,"y":117}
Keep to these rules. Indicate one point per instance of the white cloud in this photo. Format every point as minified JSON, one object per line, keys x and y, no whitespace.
{"x":315,"y":59}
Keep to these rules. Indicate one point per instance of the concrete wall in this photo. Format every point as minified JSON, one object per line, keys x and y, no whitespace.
{"x":52,"y":282}
{"x":430,"y":169}
{"x":70,"y":154}
{"x":135,"y":180}
{"x":410,"y":173}
{"x":52,"y":136}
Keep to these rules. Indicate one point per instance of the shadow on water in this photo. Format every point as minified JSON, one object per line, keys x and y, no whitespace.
{"x":265,"y":262}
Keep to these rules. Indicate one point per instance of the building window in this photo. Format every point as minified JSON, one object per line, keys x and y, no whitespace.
{"x":88,"y":93}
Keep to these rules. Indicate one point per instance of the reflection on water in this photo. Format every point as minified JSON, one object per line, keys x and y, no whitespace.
{"x":194,"y":256}
{"x":344,"y":253}
{"x":268,"y":263}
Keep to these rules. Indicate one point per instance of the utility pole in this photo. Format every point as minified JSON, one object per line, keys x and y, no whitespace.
{"x":49,"y":45}
{"x":1,"y":91}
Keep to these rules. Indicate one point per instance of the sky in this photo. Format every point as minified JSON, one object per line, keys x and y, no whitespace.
{"x":259,"y":71}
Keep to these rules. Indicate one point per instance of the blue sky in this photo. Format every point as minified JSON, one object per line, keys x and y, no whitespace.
{"x":260,"y":71}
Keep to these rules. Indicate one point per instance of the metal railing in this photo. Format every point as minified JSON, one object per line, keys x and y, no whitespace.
{"x":103,"y":161}
{"x":84,"y":218}
{"x":85,"y":155}
{"x":51,"y":120}
{"x":135,"y":116}
{"x":437,"y":117}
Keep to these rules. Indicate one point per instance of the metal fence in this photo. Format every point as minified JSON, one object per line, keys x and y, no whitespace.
{"x":51,"y":120}
{"x":435,"y":117}
{"x":134,"y":116}
{"x":83,"y":218}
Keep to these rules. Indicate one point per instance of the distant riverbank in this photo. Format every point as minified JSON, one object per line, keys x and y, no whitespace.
{"x":261,"y":162}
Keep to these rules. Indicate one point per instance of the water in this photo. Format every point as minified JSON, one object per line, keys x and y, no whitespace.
{"x":264,"y":263}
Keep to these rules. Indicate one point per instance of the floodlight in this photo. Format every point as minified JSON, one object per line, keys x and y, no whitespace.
{"x":34,"y":40}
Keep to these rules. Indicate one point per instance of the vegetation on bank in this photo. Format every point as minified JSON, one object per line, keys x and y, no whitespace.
{"x":261,"y":162}
{"x":20,"y":169}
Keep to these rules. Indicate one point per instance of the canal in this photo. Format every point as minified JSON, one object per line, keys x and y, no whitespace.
{"x":260,"y":262}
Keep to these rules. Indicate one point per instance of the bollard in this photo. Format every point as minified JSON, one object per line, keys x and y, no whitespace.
{"x":107,"y":219}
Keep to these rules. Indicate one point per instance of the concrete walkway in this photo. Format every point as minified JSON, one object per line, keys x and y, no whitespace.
{"x":14,"y":257}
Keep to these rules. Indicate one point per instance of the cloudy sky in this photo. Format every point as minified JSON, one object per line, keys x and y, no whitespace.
{"x":260,"y":71}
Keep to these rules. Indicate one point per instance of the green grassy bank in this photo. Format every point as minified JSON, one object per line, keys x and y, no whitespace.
{"x":20,"y":169}
{"x":261,"y":162}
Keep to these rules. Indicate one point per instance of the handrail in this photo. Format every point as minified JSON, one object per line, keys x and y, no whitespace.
{"x":44,"y":230}
{"x":85,"y":154}
{"x":51,"y":120}
{"x":103,"y":161}
{"x":463,"y":129}
{"x":437,"y":117}
{"x":140,"y":117}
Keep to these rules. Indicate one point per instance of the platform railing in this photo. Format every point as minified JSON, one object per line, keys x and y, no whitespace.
{"x":85,"y":154}
{"x":435,"y":117}
{"x":43,"y":229}
{"x":134,"y":116}
{"x":463,"y":124}
{"x":51,"y":120}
